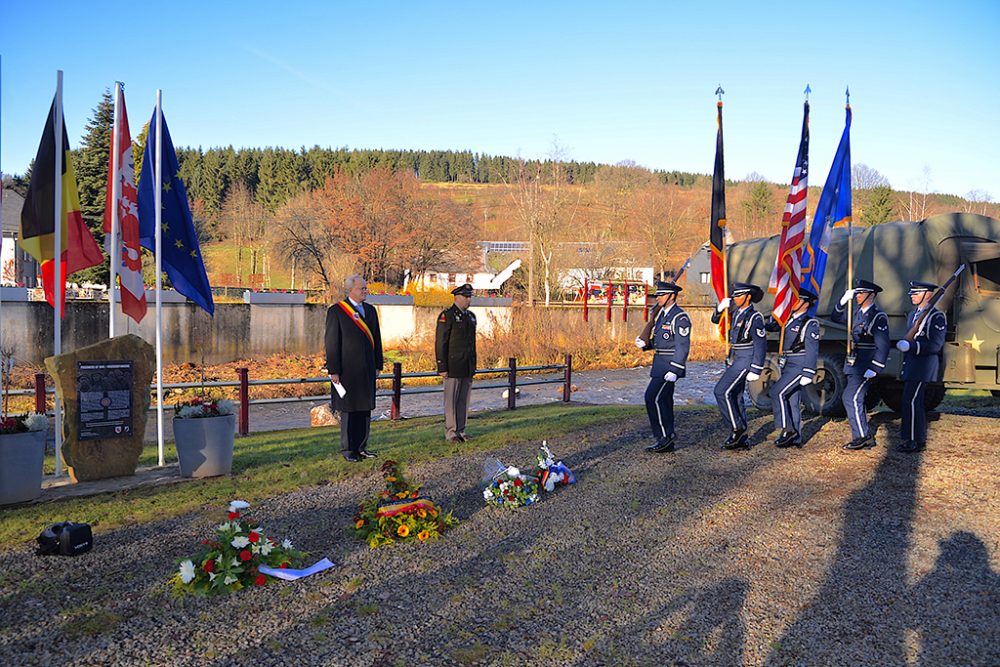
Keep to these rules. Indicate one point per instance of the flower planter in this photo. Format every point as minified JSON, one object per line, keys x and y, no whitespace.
{"x":21,"y":456}
{"x":205,"y":445}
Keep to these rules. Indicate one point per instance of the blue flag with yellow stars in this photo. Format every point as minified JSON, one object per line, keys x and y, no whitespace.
{"x":181,"y":255}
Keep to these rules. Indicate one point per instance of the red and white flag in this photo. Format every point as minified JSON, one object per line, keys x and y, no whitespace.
{"x":787,"y":275}
{"x":133,"y":292}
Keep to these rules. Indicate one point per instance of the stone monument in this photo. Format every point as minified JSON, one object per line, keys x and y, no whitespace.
{"x":94,"y":448}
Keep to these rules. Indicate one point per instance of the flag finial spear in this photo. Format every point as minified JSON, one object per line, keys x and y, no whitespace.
{"x":720,"y":92}
{"x":847,"y":92}
{"x":807,"y":91}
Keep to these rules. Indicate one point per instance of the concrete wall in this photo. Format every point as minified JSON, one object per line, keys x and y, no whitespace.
{"x":240,"y":331}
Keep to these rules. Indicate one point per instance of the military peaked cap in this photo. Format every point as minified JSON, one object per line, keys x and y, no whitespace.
{"x":921,"y":286}
{"x":806,"y":295}
{"x":866,"y":286}
{"x":463,"y":290}
{"x":756,"y":293}
{"x":667,"y":288}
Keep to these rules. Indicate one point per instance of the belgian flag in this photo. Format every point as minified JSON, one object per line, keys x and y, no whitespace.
{"x":717,"y":229}
{"x":79,"y":249}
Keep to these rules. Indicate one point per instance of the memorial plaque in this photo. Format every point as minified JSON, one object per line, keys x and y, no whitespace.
{"x":104,"y":392}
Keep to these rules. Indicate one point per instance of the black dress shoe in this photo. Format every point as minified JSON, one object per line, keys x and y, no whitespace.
{"x":365,"y":454}
{"x":352,"y":458}
{"x":788,"y":439}
{"x":664,"y":445}
{"x":861,"y":443}
{"x":907,"y":446}
{"x":737,"y":440}
{"x":463,"y":437}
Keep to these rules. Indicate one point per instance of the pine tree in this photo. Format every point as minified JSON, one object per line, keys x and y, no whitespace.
{"x":91,"y":164}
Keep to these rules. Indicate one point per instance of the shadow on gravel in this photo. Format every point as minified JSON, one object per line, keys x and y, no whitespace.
{"x":963,"y":564}
{"x":865,"y":613}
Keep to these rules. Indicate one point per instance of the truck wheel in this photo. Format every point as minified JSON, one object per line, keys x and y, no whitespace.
{"x":823,"y":397}
{"x":760,"y":390}
{"x":892,"y":395}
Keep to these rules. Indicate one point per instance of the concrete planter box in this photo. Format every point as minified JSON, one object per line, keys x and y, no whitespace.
{"x":21,"y":456}
{"x":205,"y":445}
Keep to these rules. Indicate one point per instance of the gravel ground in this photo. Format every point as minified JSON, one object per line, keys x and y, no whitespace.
{"x":768,"y":557}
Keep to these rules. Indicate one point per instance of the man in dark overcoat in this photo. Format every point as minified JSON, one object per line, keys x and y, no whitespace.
{"x":353,"y":360}
{"x":455,"y":349}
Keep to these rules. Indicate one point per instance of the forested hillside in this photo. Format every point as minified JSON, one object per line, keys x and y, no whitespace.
{"x":280,"y":217}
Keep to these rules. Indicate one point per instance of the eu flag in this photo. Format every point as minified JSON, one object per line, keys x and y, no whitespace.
{"x":180,"y":253}
{"x":834,"y":208}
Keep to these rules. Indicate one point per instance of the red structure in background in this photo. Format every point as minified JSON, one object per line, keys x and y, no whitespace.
{"x":645,"y":302}
{"x":586,"y":297}
{"x":608,"y":295}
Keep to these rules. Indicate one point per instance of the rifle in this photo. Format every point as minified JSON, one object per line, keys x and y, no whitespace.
{"x":919,"y":323}
{"x":648,"y":327}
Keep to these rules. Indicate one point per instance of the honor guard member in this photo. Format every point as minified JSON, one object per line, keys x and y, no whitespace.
{"x":797,"y":361}
{"x":455,"y":349}
{"x":869,"y":351}
{"x":670,"y":338}
{"x":747,"y":348}
{"x":921,"y":364}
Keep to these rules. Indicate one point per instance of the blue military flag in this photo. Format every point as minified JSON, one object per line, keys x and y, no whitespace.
{"x":180,"y":255}
{"x":834,"y":208}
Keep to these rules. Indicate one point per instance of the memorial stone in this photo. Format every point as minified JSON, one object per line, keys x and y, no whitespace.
{"x":91,"y":456}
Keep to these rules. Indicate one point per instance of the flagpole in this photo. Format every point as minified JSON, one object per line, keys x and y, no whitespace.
{"x":158,"y":202}
{"x":60,"y":284}
{"x":116,"y":193}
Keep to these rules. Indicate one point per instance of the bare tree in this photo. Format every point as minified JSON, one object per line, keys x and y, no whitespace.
{"x":864,"y":177}
{"x":245,"y":223}
{"x":660,"y":224}
{"x":915,"y":204}
{"x":544,"y":211}
{"x":977,"y":199}
{"x":300,"y":235}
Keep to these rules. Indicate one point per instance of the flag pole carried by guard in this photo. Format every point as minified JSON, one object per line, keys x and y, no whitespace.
{"x":787,"y":275}
{"x":716,"y":235}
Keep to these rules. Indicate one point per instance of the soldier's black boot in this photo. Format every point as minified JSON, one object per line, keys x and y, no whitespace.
{"x":788,"y":439}
{"x":664,"y":444}
{"x":864,"y":442}
{"x":907,"y":446}
{"x":737,"y":440}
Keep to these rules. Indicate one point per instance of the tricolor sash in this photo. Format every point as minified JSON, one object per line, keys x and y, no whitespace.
{"x":356,"y":318}
{"x":407,"y":506}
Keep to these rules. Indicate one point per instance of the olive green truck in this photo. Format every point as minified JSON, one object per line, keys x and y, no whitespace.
{"x":891,"y":255}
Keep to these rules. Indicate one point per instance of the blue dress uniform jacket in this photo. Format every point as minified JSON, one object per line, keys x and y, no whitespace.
{"x":870,"y":346}
{"x":869,"y":337}
{"x":921,"y":364}
{"x":747,"y":349}
{"x":799,"y":351}
{"x":671,"y":340}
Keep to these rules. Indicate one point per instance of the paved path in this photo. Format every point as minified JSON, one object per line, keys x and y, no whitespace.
{"x":607,"y":387}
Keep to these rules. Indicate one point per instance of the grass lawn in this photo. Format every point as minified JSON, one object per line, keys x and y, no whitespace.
{"x":269,"y":464}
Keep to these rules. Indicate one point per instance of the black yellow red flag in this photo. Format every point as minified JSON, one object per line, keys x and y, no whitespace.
{"x":717,"y":232}
{"x":78,"y":247}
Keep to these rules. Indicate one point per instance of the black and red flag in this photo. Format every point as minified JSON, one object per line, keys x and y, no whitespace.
{"x":717,"y":232}
{"x":78,"y":248}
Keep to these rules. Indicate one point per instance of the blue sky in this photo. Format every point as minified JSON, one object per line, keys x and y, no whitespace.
{"x":604,"y":81}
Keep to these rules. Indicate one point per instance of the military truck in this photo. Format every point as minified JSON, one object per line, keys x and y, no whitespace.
{"x":890,"y":254}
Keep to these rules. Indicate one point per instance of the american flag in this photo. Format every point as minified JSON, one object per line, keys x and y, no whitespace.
{"x":787,"y":274}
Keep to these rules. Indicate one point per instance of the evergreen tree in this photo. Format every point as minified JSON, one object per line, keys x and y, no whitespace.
{"x":878,"y":205}
{"x":91,"y":163}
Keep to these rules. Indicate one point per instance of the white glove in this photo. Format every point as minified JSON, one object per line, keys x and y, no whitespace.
{"x":753,"y":377}
{"x":903,"y":345}
{"x":670,"y":376}
{"x":723,"y":304}
{"x":848,"y":295}
{"x":805,"y":380}
{"x":869,"y":374}
{"x":640,"y":343}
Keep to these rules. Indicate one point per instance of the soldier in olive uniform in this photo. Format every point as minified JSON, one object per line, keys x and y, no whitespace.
{"x":670,"y":337}
{"x":869,"y":351}
{"x":747,"y":349}
{"x":799,"y":349}
{"x":455,"y":348}
{"x":921,"y":364}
